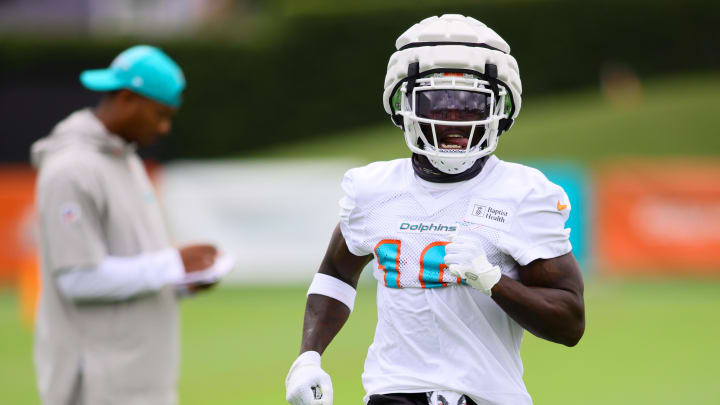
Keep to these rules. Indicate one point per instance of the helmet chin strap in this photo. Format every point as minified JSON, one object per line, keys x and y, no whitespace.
{"x":426,"y":171}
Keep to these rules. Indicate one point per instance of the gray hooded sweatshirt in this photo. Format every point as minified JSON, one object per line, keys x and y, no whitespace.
{"x":94,"y":200}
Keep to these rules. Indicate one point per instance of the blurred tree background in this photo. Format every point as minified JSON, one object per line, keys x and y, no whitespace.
{"x":269,"y":72}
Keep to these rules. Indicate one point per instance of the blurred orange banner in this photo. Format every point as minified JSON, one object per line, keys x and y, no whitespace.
{"x":659,"y":217}
{"x":17,"y":243}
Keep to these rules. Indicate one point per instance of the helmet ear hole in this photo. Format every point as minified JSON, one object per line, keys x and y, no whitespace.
{"x":395,"y":106}
{"x":396,"y":100}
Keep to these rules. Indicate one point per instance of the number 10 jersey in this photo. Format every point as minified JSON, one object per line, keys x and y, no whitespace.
{"x":434,"y":332}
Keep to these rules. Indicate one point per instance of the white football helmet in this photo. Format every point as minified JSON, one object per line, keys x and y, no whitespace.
{"x":453,"y":87}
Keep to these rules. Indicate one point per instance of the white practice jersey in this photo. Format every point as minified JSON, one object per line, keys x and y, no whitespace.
{"x":434,"y":333}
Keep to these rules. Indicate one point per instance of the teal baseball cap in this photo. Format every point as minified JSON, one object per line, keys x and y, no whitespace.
{"x":142,"y":69}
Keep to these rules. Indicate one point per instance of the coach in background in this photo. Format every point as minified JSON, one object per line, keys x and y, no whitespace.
{"x":107,"y":323}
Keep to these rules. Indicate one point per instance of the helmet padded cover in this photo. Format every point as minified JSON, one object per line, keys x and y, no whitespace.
{"x":453,"y":28}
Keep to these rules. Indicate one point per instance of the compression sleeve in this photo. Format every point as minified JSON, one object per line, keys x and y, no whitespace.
{"x":121,"y":278}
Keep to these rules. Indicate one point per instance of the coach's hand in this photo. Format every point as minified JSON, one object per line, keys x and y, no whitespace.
{"x":197,"y":257}
{"x":307,"y":383}
{"x":466,"y":258}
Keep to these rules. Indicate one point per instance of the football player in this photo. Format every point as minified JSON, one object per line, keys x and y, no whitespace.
{"x":468,"y":250}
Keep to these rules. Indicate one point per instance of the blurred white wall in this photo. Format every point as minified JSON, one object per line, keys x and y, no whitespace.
{"x":275,"y":216}
{"x":108,"y":17}
{"x":149,"y":16}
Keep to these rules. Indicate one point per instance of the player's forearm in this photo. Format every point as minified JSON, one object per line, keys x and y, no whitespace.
{"x":553,"y":314}
{"x":324,"y":317}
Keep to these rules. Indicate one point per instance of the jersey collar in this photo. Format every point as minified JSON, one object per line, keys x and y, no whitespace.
{"x":430,"y":204}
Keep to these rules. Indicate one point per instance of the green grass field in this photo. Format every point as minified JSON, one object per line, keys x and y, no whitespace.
{"x":647,"y":342}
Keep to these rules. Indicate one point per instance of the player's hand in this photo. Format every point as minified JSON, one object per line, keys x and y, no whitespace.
{"x":466,"y":259}
{"x":307,"y":383}
{"x":197,"y":257}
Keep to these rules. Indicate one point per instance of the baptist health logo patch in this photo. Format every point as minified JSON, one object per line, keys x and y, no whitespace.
{"x":490,"y":213}
{"x":426,"y":227}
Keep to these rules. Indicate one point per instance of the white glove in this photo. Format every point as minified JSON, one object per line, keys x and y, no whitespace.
{"x":466,"y":258}
{"x":307,"y":383}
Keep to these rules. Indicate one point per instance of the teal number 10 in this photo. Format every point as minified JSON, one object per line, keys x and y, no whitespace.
{"x":432,"y":263}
